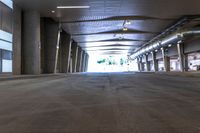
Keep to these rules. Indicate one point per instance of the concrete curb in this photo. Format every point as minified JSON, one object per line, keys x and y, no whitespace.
{"x":21,"y":77}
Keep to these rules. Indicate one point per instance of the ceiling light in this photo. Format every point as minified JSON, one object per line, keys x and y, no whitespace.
{"x":53,"y":11}
{"x":169,"y":45}
{"x":73,"y":7}
{"x":156,"y":50}
{"x":128,"y":22}
{"x":125,"y":29}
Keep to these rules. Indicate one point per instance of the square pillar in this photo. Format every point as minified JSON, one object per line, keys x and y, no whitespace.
{"x":50,"y":38}
{"x":17,"y":41}
{"x":138,"y":62}
{"x":74,"y":56}
{"x":65,"y":52}
{"x":31,"y":43}
{"x":83,"y":61}
{"x":155,"y":62}
{"x":183,"y":59}
{"x":86,"y":63}
{"x":79,"y":60}
{"x":186,"y":63}
{"x":147,"y":63}
{"x":166,"y":60}
{"x":142,"y":66}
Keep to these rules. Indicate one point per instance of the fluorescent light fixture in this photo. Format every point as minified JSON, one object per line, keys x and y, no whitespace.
{"x":128,"y":22}
{"x":125,"y":29}
{"x":73,"y":7}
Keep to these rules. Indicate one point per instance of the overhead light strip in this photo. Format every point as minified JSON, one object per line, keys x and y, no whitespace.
{"x":73,"y":7}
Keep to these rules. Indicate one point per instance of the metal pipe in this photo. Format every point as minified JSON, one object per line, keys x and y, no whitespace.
{"x":171,"y":39}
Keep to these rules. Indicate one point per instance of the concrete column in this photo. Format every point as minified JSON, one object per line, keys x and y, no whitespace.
{"x":147,"y":63}
{"x":74,"y":56}
{"x":138,"y":62}
{"x":83,"y":61}
{"x":31,"y":43}
{"x":155,"y":62}
{"x":70,"y":66}
{"x":182,"y":57}
{"x":186,"y":63}
{"x":141,"y":65}
{"x":50,"y":38}
{"x":166,"y":60}
{"x":86,"y":62}
{"x":79,"y":60}
{"x":65,"y":52}
{"x":17,"y":40}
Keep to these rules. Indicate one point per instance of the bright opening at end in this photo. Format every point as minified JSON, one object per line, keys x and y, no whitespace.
{"x":111,"y":63}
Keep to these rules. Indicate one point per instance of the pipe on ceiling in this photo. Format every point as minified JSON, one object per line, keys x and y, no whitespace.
{"x":171,"y":39}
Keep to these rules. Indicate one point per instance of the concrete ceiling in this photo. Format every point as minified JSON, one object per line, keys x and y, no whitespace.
{"x":99,"y":28}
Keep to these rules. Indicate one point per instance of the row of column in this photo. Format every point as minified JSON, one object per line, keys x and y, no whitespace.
{"x":79,"y":59}
{"x":46,"y":48}
{"x":166,"y":60}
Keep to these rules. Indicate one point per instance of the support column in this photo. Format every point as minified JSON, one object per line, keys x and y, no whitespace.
{"x":166,"y":60}
{"x":50,"y":40}
{"x":155,"y":62}
{"x":83,"y":61}
{"x":65,"y":52}
{"x":182,"y":57}
{"x":17,"y":41}
{"x":31,"y":43}
{"x":186,"y":63}
{"x":79,"y":60}
{"x":141,"y":65}
{"x":86,"y":62}
{"x":138,"y":62}
{"x":70,"y":66}
{"x":147,"y":63}
{"x":74,"y":56}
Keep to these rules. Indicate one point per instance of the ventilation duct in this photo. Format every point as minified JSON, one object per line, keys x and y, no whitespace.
{"x":171,"y":39}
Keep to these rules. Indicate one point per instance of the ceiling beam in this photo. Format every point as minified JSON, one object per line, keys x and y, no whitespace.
{"x":117,"y":18}
{"x":117,"y":40}
{"x":130,"y":31}
{"x":114,"y":45}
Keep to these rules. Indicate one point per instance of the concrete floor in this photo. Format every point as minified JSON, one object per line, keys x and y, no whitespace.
{"x":101,"y":103}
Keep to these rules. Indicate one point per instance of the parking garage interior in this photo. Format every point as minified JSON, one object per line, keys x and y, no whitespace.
{"x":99,"y":66}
